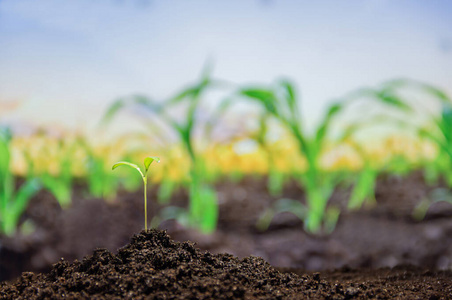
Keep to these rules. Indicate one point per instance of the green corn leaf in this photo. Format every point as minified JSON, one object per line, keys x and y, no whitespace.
{"x":322,"y":131}
{"x":432,"y":90}
{"x":149,"y":160}
{"x":194,"y":91}
{"x":291,"y":98}
{"x":421,"y":209}
{"x":23,"y":197}
{"x":224,"y":105}
{"x":397,"y":83}
{"x":445,"y":123}
{"x":4,"y":160}
{"x":442,"y":96}
{"x":191,"y":92}
{"x":349,"y":131}
{"x":151,"y":105}
{"x":389,"y":98}
{"x":113,"y":110}
{"x":363,"y":189}
{"x":438,"y":141}
{"x":331,"y":218}
{"x":292,"y":206}
{"x":265,"y":98}
{"x":265,"y":219}
{"x":5,"y":137}
{"x":210,"y":210}
{"x":207,"y":70}
{"x":59,"y":187}
{"x":122,"y":103}
{"x":261,"y":134}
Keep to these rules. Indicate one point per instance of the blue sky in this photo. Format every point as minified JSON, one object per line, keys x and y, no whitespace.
{"x":67,"y":60}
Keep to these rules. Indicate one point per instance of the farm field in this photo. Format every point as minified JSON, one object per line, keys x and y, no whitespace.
{"x":328,"y":205}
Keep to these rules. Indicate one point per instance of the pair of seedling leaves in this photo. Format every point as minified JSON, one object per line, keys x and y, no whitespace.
{"x":144,"y":175}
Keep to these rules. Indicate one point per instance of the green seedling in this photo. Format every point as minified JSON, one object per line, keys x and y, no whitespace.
{"x":12,"y":203}
{"x":183,"y":128}
{"x":144,"y":175}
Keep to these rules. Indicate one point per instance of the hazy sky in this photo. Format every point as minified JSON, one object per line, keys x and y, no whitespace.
{"x":67,"y":60}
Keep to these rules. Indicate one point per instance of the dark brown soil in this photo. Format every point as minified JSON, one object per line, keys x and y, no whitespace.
{"x":153,"y":266}
{"x":384,"y":236}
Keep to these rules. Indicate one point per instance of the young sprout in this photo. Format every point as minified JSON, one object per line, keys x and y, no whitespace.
{"x":144,"y":175}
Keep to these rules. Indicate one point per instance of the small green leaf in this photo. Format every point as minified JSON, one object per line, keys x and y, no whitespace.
{"x":149,"y":160}
{"x":125,"y":163}
{"x":122,"y":163}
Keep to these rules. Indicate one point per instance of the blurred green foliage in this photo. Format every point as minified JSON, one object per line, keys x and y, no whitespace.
{"x":12,"y":202}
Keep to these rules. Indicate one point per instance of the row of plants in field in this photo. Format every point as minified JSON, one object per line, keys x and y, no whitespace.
{"x":278,"y":103}
{"x":188,"y":134}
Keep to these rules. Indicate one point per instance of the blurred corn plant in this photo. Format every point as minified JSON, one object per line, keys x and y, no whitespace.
{"x":437,"y":129}
{"x":275,"y":177}
{"x":426,"y":126}
{"x":364,"y":180}
{"x":12,"y":203}
{"x":281,"y":103}
{"x":172,"y":178}
{"x":433,"y":127}
{"x":439,"y":132}
{"x":56,"y":158}
{"x":101,"y":183}
{"x":363,"y":187}
{"x":202,"y":212}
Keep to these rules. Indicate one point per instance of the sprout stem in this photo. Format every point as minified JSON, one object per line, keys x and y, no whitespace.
{"x":145,"y":204}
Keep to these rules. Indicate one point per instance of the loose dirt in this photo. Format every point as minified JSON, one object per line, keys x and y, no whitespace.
{"x":153,"y":266}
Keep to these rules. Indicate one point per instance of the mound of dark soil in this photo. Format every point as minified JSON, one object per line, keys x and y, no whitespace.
{"x":153,"y":266}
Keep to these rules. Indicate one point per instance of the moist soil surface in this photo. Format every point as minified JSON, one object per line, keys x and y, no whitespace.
{"x":380,"y":251}
{"x":153,"y":266}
